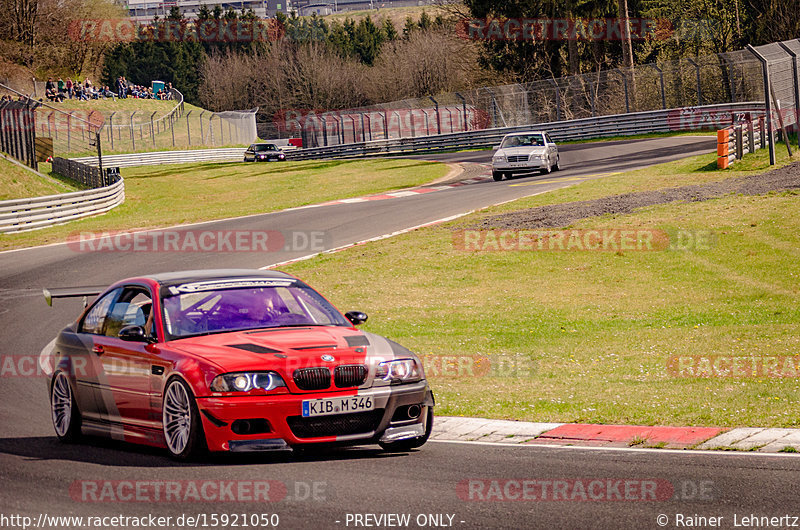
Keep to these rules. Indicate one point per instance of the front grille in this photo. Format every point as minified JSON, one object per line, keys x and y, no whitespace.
{"x":312,"y":378}
{"x":337,"y":425}
{"x":349,"y":375}
{"x":518,"y":158}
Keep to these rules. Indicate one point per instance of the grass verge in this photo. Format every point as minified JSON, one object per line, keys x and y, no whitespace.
{"x":158,"y":196}
{"x":588,"y":336}
{"x":19,"y":183}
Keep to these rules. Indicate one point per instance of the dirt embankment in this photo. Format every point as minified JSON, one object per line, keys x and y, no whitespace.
{"x":559,"y":215}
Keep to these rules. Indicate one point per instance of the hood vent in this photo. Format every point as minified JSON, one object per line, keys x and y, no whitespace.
{"x":356,"y":340}
{"x":254,"y":348}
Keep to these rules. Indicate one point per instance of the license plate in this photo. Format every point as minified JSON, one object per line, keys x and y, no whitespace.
{"x":519,"y":164}
{"x":340,"y":405}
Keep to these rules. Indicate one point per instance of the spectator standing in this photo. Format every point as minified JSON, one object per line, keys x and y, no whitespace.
{"x":70,"y":88}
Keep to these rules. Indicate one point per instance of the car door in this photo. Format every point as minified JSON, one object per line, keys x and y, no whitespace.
{"x":552,"y":149}
{"x":84,"y":358}
{"x":250,"y":153}
{"x":125,"y":388}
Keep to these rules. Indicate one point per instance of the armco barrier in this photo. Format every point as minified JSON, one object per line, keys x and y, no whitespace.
{"x":737,"y":140}
{"x":708,"y":117}
{"x":227,"y":154}
{"x":19,"y":215}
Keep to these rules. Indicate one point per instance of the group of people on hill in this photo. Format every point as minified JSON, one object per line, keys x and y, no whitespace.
{"x":127,"y":89}
{"x":60,"y":90}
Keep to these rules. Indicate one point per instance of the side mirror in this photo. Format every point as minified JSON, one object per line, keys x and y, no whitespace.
{"x":356,"y":317}
{"x":134,"y":334}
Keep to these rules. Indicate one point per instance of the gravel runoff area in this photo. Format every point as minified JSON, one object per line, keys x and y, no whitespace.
{"x":560,"y":215}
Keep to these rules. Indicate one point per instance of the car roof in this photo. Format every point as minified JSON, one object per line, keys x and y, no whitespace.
{"x":180,"y":277}
{"x":525,"y":133}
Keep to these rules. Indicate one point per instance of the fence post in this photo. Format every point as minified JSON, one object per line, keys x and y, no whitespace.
{"x":739,"y":142}
{"x":152,"y":131}
{"x":111,"y":129}
{"x":661,"y":83}
{"x":99,"y":152}
{"x":796,"y":79}
{"x":697,"y":75}
{"x":188,"y":130}
{"x":172,"y":130}
{"x":438,"y":116}
{"x":133,"y":135}
{"x":625,"y":87}
{"x":69,"y":131}
{"x":767,"y":102}
{"x":751,"y":134}
{"x":202,"y":138}
{"x":558,"y":98}
{"x":464,"y":105}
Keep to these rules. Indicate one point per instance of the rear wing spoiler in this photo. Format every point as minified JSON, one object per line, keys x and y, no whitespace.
{"x":71,"y":292}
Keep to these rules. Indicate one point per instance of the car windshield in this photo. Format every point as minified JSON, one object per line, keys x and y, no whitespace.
{"x":265,"y":147}
{"x":523,"y":140}
{"x":190,"y":310}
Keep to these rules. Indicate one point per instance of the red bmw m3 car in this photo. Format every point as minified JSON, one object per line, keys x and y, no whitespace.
{"x":230,"y":360}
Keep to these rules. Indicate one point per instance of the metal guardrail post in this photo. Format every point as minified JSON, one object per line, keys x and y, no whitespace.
{"x":767,"y":103}
{"x":739,"y":142}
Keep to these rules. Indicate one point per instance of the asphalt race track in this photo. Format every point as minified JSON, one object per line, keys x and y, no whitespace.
{"x":443,"y":480}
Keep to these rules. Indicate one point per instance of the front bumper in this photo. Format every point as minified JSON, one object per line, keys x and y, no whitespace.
{"x":519,"y":167}
{"x":219,"y":413}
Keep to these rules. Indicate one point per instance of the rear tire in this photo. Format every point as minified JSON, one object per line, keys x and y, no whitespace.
{"x":406,"y":445}
{"x":63,"y":409}
{"x":183,"y":429}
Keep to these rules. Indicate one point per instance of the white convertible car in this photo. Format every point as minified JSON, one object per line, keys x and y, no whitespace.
{"x":524,"y":152}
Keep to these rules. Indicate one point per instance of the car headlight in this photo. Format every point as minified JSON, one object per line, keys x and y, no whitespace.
{"x":399,"y":371}
{"x":247,"y":381}
{"x":499,"y":158}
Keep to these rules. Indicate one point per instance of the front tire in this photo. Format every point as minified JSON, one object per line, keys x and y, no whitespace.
{"x":64,"y":410}
{"x":183,"y":429}
{"x":497,"y":175}
{"x":406,"y":445}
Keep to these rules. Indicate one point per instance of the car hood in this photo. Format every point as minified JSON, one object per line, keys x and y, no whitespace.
{"x":523,"y":150}
{"x":287,"y":349}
